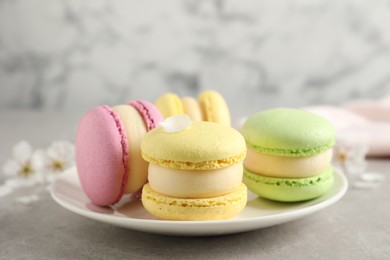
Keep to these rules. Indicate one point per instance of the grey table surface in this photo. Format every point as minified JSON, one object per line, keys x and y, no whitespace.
{"x":357,"y":227}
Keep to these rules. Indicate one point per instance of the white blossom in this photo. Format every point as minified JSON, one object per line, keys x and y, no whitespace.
{"x":24,"y":166}
{"x":351,"y":159}
{"x":57,"y":158}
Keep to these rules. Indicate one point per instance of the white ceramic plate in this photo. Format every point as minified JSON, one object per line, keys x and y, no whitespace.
{"x":129,"y":213}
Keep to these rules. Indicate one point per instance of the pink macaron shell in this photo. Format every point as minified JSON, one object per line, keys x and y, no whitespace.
{"x":151,"y":115}
{"x":101,"y":155}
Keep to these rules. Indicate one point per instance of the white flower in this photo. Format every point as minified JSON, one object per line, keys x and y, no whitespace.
{"x":24,"y":167}
{"x":58,"y":157}
{"x":352,"y":159}
{"x":23,"y":163}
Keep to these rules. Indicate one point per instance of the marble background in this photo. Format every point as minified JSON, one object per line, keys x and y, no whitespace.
{"x":71,"y":54}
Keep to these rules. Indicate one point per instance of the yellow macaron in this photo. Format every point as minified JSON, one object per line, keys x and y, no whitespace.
{"x":169,"y":104}
{"x":214,"y":107}
{"x":193,"y":170}
{"x":210,"y":106}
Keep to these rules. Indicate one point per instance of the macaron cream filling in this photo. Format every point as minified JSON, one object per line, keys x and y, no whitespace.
{"x":134,"y":127}
{"x":291,"y":167}
{"x":195,"y":183}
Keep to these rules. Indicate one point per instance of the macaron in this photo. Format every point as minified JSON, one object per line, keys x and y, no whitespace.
{"x":289,"y":154}
{"x":108,"y":150}
{"x":195,"y":170}
{"x":169,"y":104}
{"x":214,"y":107}
{"x":210,"y":106}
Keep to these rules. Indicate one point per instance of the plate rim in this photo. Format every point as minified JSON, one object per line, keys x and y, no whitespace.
{"x":110,"y":218}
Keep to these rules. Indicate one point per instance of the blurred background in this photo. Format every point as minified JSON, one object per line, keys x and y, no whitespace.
{"x":71,"y":55}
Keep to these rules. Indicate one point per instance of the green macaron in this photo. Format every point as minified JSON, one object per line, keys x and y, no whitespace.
{"x":294,"y":133}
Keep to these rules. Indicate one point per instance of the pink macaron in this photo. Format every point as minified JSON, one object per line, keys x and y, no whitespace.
{"x":108,"y":153}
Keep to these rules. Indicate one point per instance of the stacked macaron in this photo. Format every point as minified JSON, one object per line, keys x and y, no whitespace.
{"x":108,"y":150}
{"x":195,"y":170}
{"x":289,"y":154}
{"x":210,"y":106}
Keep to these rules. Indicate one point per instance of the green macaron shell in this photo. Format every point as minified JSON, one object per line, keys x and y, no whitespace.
{"x":288,"y":132}
{"x":289,"y":189}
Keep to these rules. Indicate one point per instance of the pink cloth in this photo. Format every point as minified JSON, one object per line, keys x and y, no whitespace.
{"x":363,"y":122}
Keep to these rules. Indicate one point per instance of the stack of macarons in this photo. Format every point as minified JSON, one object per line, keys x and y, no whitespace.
{"x":289,"y":154}
{"x":195,"y":170}
{"x":108,"y":150}
{"x":210,"y":106}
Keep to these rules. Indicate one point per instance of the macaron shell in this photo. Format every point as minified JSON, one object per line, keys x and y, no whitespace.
{"x":169,"y":104}
{"x":214,"y":107}
{"x":101,"y":155}
{"x":214,"y":208}
{"x":151,"y":115}
{"x":289,"y":189}
{"x":288,"y":132}
{"x":192,"y":108}
{"x":135,"y":131}
{"x":202,"y":146}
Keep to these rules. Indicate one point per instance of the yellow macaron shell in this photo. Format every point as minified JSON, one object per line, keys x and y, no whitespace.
{"x":214,"y":107}
{"x":201,"y":146}
{"x":214,"y":208}
{"x":135,"y":129}
{"x":169,"y":104}
{"x":287,"y":167}
{"x":195,"y":184}
{"x":192,"y":108}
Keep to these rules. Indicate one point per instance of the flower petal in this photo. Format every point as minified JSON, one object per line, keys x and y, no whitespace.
{"x":22,"y":152}
{"x":176,"y":123}
{"x":11,"y":168}
{"x":39,"y":160}
{"x":61,"y":150}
